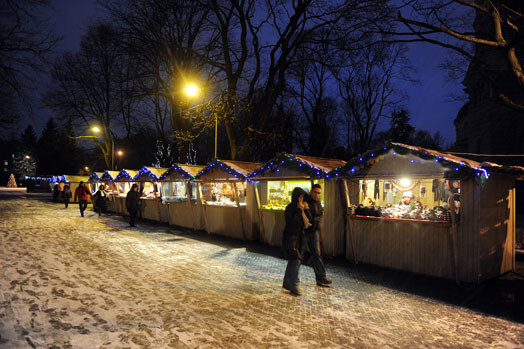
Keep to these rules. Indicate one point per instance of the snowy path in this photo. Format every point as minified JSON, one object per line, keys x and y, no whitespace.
{"x":91,"y":282}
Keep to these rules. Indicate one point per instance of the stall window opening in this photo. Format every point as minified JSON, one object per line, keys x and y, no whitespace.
{"x":223,"y":193}
{"x":177,"y":191}
{"x":279,"y":192}
{"x":422,"y":199}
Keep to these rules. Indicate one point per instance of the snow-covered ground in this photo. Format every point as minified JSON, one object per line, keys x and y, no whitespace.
{"x":67,"y":281}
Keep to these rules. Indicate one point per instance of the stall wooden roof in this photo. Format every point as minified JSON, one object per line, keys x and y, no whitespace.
{"x":75,"y":179}
{"x":126,"y":175}
{"x":148,"y":174}
{"x":95,"y":176}
{"x":309,"y":166}
{"x":450,"y":162}
{"x":109,"y":175}
{"x":237,"y":169}
{"x":182,"y":171}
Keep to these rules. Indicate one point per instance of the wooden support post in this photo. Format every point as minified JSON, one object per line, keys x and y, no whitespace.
{"x":349,"y":222}
{"x":158,"y":209}
{"x":188,"y":194}
{"x":513,"y":224}
{"x":239,"y":210}
{"x":203,"y":204}
{"x":320,"y":241}
{"x":454,"y":237}
{"x":260,"y":215}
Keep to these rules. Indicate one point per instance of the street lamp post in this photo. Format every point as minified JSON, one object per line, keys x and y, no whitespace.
{"x":97,"y":130}
{"x":191,"y":90}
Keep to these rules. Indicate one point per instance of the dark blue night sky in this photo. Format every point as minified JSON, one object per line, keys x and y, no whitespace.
{"x":429,"y":99}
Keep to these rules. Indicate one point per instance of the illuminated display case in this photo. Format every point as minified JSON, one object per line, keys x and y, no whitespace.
{"x":223,"y":193}
{"x":149,"y":190}
{"x":404,"y":198}
{"x":279,"y":192}
{"x":177,"y":191}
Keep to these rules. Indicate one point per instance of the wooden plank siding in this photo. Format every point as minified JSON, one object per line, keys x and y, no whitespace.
{"x":410,"y":246}
{"x":468,"y":242}
{"x":496,"y":226}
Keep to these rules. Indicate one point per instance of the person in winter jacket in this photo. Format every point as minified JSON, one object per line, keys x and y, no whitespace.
{"x":133,"y":204}
{"x":312,"y":234}
{"x":298,"y":219}
{"x":67,"y":195}
{"x":101,"y":199}
{"x":82,"y":193}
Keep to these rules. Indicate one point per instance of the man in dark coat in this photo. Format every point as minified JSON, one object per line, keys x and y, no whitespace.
{"x":133,"y":204}
{"x":312,"y":234}
{"x":297,"y":219}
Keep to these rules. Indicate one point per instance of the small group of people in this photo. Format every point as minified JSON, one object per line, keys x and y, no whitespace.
{"x":301,"y":233}
{"x":83,"y":194}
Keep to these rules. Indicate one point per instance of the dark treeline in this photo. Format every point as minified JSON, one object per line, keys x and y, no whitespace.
{"x":313,"y":77}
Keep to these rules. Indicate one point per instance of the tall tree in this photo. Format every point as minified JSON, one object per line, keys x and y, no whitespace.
{"x":26,"y":39}
{"x":400,"y":128}
{"x":90,"y":87}
{"x":469,"y":27}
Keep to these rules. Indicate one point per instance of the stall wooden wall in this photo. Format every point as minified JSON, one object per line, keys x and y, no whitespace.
{"x":468,"y":241}
{"x":497,"y":226}
{"x":416,"y":247}
{"x":180,"y":215}
{"x":154,"y":210}
{"x":332,"y":224}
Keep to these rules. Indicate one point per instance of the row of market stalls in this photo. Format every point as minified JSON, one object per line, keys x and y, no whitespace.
{"x":398,"y":206}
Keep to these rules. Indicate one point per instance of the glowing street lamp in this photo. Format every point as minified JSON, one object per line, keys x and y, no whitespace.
{"x":95,"y":129}
{"x":120,"y":153}
{"x":191,"y":90}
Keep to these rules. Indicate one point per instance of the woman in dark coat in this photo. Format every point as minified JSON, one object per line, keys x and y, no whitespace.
{"x":133,"y":204}
{"x":298,"y":219}
{"x":101,"y":199}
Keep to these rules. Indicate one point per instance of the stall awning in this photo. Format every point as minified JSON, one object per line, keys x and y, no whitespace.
{"x":422,"y":161}
{"x":181,"y":172}
{"x":149,"y":174}
{"x":126,"y":175}
{"x":75,"y":179}
{"x":228,"y":169}
{"x":294,"y":165}
{"x":95,"y":176}
{"x":109,"y":176}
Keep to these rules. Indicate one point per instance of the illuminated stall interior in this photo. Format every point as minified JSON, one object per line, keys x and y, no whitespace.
{"x":398,"y":184}
{"x":220,"y":178}
{"x":177,"y":182}
{"x":107,"y":178}
{"x":148,"y":178}
{"x":124,"y":180}
{"x":288,"y":171}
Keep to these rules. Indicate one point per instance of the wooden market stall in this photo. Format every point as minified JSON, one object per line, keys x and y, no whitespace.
{"x":275,"y":181}
{"x":107,"y":178}
{"x":227,"y":199}
{"x":180,"y":196}
{"x":94,"y":180}
{"x":74,"y":182}
{"x":122,"y":183}
{"x":149,"y":187}
{"x":429,"y":212}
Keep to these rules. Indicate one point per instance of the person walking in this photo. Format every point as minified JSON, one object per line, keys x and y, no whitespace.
{"x":82,"y":193}
{"x":298,"y":219}
{"x":133,"y":204}
{"x":67,"y":195}
{"x":312,"y":235}
{"x":101,"y":200}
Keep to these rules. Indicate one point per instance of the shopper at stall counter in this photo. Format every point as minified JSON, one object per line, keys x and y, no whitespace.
{"x":101,"y":199}
{"x":82,"y":193}
{"x":133,"y":204}
{"x":298,"y":219}
{"x":312,"y":235}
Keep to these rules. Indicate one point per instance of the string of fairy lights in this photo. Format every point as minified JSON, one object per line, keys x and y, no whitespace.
{"x":353,"y":167}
